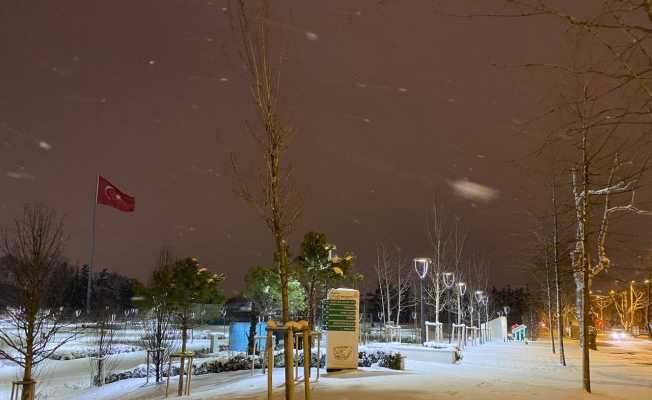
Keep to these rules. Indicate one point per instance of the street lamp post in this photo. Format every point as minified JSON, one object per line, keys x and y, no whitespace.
{"x":485,"y":303}
{"x":461,"y":289}
{"x":448,"y":280}
{"x":458,"y":331}
{"x":478,"y":297}
{"x":421,"y":268}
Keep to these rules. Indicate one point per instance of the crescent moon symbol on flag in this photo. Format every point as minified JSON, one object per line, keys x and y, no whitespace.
{"x":111,"y":192}
{"x":110,"y":195}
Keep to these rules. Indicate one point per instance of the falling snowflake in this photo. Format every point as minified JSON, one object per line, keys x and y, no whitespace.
{"x":402,"y":90}
{"x":151,"y":62}
{"x":223,"y":79}
{"x":311,"y":36}
{"x":44,"y":145}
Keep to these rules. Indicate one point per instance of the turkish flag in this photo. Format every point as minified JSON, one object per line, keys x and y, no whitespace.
{"x":110,"y":195}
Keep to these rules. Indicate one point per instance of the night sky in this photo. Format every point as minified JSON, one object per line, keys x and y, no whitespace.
{"x":392,"y":105}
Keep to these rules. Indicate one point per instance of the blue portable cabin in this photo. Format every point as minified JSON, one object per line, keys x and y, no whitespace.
{"x":239,"y":317}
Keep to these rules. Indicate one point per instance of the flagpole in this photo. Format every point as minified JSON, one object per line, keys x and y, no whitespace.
{"x":90,"y":265}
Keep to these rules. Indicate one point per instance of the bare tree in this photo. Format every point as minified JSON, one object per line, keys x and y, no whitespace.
{"x":36,"y":330}
{"x":555,"y":261}
{"x":601,"y":303}
{"x":103,"y":361}
{"x":159,"y":333}
{"x":627,"y":303}
{"x":393,"y":272}
{"x":276,"y":203}
{"x":477,"y":282}
{"x":439,"y":237}
{"x":402,"y":272}
{"x":384,"y":275}
{"x":458,"y":246}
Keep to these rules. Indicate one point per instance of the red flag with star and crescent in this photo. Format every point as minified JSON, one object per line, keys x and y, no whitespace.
{"x":111,"y":196}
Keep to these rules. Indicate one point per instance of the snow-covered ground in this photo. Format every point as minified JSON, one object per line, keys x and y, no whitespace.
{"x":500,"y":371}
{"x":65,"y":379}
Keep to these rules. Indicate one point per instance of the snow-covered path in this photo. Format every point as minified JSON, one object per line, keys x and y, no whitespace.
{"x":500,"y":371}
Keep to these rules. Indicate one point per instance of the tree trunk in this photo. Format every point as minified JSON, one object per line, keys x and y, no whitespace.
{"x":159,"y":343}
{"x":388,"y":316}
{"x":312,"y":306}
{"x":584,"y":339}
{"x":398,"y":300}
{"x":29,"y":389}
{"x":253,"y":323}
{"x":184,"y":340}
{"x":281,"y":249}
{"x":560,"y":318}
{"x":550,"y":321}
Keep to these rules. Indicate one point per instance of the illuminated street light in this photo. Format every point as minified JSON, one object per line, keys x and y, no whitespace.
{"x":478,"y":298}
{"x":421,"y":268}
{"x":461,"y":289}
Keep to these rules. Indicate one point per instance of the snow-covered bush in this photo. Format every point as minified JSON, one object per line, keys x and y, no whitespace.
{"x":63,"y":355}
{"x":385,"y":360}
{"x":391,"y":361}
{"x":313,"y":360}
{"x":367,"y":359}
{"x":138,"y":372}
{"x":236,"y":363}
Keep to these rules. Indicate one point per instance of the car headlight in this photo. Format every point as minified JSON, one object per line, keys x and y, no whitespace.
{"x":614,"y":335}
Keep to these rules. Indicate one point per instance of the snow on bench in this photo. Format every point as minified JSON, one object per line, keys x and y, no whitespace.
{"x":444,"y":353}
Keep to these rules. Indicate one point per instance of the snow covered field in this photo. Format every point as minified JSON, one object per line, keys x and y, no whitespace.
{"x":510,"y":371}
{"x":65,"y":379}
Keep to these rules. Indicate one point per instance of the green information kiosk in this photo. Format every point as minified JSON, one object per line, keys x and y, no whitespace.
{"x":342,"y":310}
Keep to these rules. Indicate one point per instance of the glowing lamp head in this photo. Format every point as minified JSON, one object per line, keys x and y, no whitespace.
{"x":421,"y":266}
{"x":462,"y":287}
